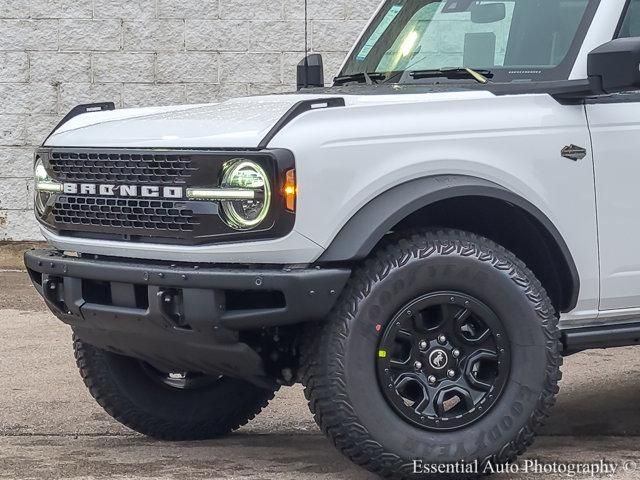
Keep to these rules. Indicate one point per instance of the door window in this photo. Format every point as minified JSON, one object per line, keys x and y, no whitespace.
{"x":630,"y":26}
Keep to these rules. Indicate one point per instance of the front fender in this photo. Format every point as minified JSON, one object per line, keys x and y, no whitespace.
{"x":371,"y":223}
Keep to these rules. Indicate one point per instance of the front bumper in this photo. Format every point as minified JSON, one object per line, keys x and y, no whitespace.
{"x":293,"y":249}
{"x":185,"y":316}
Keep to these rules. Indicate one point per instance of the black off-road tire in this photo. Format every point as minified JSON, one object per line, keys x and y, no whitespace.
{"x":125,"y":390}
{"x":339,"y":372}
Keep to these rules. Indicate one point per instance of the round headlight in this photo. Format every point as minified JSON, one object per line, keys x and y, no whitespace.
{"x":246,"y":175}
{"x":41,"y":172}
{"x":41,"y":176}
{"x":45,"y":186}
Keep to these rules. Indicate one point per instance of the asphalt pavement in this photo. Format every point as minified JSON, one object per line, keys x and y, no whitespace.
{"x":50,"y":427}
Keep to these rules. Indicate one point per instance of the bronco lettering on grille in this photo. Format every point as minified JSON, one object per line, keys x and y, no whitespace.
{"x":123,"y":190}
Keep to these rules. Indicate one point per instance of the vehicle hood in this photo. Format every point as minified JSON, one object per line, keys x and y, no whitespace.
{"x":237,"y":123}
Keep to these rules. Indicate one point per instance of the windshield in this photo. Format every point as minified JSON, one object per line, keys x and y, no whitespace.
{"x":516,"y":40}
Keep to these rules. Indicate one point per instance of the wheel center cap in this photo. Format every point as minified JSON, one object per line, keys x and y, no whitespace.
{"x":438,"y":359}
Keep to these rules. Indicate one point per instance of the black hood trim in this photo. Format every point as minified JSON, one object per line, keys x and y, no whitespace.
{"x":297,"y":110}
{"x":80,"y":110}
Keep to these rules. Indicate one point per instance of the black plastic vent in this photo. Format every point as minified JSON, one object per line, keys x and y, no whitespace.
{"x":124,"y":213}
{"x":134,"y":168}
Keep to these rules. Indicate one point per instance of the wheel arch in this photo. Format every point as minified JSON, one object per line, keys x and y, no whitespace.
{"x":437,"y":201}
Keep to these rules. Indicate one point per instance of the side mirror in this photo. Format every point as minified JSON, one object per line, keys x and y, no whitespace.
{"x":311,"y":72}
{"x":615,"y":66}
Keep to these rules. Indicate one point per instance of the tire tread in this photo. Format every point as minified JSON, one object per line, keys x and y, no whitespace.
{"x":323,"y":355}
{"x":95,"y":372}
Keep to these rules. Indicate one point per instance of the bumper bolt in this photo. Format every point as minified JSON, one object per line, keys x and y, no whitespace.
{"x":423,"y":344}
{"x":417,"y":365}
{"x":451,"y":373}
{"x":432,"y":380}
{"x":442,"y":339}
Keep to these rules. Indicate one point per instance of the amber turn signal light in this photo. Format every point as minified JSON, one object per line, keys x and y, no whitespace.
{"x":290,"y":190}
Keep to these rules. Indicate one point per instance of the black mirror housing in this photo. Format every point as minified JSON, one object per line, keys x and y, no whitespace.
{"x":311,"y":72}
{"x":615,"y":66}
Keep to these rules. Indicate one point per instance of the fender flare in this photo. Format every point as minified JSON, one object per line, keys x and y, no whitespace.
{"x":359,"y":236}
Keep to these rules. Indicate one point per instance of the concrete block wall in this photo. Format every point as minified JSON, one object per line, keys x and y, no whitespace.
{"x":55,"y":54}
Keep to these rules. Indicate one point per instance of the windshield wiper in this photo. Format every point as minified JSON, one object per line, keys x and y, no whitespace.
{"x":368,"y":78}
{"x":482,"y":76}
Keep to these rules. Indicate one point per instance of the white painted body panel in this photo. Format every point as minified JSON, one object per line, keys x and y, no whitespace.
{"x":237,"y":123}
{"x":615,"y":129}
{"x":292,"y":249}
{"x":514,"y":141}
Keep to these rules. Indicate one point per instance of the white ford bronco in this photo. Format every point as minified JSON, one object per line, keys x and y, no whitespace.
{"x":418,"y":244}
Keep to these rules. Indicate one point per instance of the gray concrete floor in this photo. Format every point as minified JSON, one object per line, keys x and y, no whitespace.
{"x":51,"y":428}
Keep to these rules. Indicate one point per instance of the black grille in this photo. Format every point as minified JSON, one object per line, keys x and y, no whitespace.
{"x":135,"y":168}
{"x":157,"y":215}
{"x":124,"y":217}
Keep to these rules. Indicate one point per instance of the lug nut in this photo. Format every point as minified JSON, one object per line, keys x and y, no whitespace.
{"x":423,"y":344}
{"x":451,"y":373}
{"x":417,"y":365}
{"x":432,"y":380}
{"x":442,"y":339}
{"x":456,"y":353}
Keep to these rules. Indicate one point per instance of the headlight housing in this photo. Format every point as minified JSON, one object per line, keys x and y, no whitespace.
{"x":44,"y":186}
{"x":246,"y":175}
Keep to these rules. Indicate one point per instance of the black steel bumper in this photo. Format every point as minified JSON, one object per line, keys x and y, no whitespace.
{"x":181,"y":316}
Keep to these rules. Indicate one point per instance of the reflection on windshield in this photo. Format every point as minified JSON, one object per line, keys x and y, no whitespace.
{"x":514,"y":39}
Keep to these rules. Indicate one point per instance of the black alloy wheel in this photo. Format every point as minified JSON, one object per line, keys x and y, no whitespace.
{"x":443,"y":361}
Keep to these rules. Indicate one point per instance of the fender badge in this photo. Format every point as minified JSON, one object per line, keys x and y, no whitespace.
{"x":573,"y":152}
